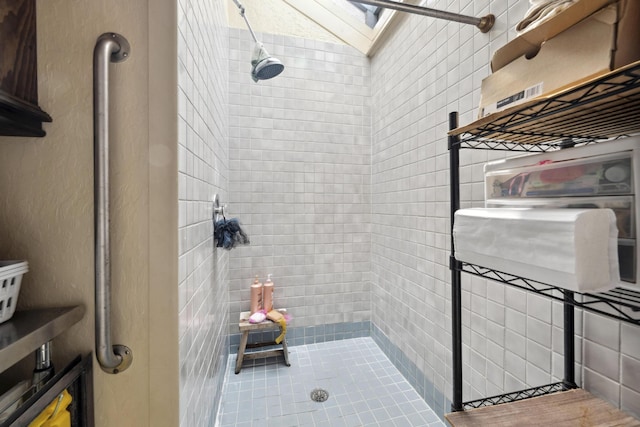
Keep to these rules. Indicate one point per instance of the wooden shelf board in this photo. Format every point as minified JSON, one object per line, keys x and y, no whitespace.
{"x":568,"y":408}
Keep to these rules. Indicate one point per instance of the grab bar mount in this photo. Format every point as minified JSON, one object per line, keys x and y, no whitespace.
{"x":123,"y":48}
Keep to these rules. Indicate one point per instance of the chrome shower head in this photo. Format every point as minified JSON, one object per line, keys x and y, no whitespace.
{"x":263,"y":65}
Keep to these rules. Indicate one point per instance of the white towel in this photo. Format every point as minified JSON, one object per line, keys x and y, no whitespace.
{"x":575,"y":249}
{"x":541,"y":11}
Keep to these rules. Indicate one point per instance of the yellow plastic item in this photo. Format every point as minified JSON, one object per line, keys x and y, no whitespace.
{"x":55,"y":414}
{"x":276,"y":316}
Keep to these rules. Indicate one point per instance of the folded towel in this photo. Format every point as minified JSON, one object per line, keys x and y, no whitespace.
{"x":541,"y":11}
{"x":575,"y":249}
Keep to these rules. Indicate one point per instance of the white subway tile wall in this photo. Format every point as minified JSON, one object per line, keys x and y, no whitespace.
{"x":512,"y":339}
{"x":300,"y":171}
{"x":203,"y":50}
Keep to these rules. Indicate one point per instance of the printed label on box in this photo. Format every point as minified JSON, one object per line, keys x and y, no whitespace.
{"x":515,"y":99}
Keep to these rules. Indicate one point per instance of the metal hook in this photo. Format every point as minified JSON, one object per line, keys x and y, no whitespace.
{"x":217,"y":209}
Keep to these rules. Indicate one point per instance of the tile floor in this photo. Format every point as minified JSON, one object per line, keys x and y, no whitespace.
{"x":365,"y":389}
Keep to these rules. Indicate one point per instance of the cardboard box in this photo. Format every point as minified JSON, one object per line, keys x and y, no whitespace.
{"x":570,"y":48}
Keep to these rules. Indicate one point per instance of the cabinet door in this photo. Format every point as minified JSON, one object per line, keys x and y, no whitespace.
{"x":18,"y":60}
{"x":19,"y":111}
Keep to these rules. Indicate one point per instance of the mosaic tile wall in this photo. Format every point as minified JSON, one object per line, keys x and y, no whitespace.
{"x":511,"y":339}
{"x":300,"y":176}
{"x":203,"y":144}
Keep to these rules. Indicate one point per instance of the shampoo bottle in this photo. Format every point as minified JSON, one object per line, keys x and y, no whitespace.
{"x":268,"y":294}
{"x":256,"y":295}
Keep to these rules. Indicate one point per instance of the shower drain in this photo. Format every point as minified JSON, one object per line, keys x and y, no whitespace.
{"x":319,"y":395}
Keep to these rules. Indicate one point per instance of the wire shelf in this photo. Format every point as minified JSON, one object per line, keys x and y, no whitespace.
{"x":619,"y":303}
{"x":604,"y":108}
{"x":600,"y":109}
{"x":516,"y":395}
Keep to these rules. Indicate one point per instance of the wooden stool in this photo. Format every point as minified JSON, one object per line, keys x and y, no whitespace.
{"x":246,"y":327}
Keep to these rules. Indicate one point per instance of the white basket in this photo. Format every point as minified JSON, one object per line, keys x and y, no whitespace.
{"x":10,"y":278}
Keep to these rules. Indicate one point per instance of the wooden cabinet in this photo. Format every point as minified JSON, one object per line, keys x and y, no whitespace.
{"x":20,"y":114}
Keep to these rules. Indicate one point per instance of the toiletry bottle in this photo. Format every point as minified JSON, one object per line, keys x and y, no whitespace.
{"x":268,"y":294}
{"x":256,"y":295}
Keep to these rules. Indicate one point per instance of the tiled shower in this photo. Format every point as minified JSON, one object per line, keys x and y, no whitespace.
{"x":338,"y":170}
{"x":300,"y":179}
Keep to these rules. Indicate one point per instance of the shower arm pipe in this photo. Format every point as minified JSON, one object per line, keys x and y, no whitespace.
{"x":241,"y":7}
{"x":110,"y":47}
{"x":484,"y":24}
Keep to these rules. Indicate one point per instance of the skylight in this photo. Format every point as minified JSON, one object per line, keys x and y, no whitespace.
{"x":371,"y":13}
{"x":348,"y":21}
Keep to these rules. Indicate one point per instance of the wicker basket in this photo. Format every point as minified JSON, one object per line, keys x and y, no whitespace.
{"x":10,"y":278}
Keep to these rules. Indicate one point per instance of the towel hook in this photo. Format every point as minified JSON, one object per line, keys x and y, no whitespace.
{"x":218,"y":210}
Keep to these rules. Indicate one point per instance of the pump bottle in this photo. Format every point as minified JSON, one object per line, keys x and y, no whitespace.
{"x":268,"y":294}
{"x":256,"y":295}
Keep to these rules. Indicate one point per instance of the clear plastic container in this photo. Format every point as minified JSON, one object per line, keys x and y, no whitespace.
{"x":591,"y":176}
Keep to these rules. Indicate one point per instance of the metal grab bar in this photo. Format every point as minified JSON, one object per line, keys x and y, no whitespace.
{"x":110,"y":47}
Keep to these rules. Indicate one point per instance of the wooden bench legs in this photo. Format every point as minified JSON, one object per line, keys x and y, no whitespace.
{"x":259,"y":354}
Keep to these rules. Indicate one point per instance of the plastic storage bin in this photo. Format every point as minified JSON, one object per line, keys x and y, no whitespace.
{"x":594,"y":176}
{"x":10,"y":278}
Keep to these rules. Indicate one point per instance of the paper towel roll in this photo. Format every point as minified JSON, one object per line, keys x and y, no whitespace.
{"x":575,"y":249}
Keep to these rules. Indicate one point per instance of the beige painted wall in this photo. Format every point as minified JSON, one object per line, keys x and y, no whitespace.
{"x":277,"y":17}
{"x":46,"y":188}
{"x":164,"y":394}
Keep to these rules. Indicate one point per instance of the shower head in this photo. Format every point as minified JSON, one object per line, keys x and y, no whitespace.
{"x":263,"y":65}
